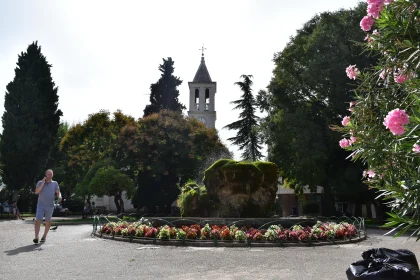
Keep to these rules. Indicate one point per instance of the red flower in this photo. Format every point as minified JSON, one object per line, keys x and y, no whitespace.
{"x":303,"y":236}
{"x":191,"y":233}
{"x":225,"y":234}
{"x":251,"y":232}
{"x":258,"y":236}
{"x":215,"y":233}
{"x":105,"y":228}
{"x":172,"y":232}
{"x":151,"y":232}
{"x":132,"y":231}
{"x":197,"y":227}
{"x":216,"y":227}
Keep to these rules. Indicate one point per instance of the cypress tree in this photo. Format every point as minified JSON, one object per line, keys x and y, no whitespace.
{"x":164,"y":93}
{"x":30,"y":121}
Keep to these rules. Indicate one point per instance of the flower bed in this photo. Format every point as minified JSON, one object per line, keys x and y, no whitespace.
{"x":320,"y":232}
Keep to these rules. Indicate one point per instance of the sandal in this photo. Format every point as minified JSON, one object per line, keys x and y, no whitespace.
{"x":42,"y":240}
{"x":36,"y":240}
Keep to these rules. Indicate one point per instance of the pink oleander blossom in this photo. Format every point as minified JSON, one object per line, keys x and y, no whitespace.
{"x":353,"y":140}
{"x":366,"y":23}
{"x":387,"y":2}
{"x":416,"y":148}
{"x":345,"y":121}
{"x":371,"y":173}
{"x":375,"y":8}
{"x":352,"y":72}
{"x":400,"y":77}
{"x":344,"y":143}
{"x":395,"y":121}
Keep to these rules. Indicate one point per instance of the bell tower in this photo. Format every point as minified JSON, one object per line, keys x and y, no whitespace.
{"x":202,"y":95}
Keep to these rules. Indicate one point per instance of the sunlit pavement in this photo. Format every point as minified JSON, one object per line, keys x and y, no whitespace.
{"x":71,"y":253}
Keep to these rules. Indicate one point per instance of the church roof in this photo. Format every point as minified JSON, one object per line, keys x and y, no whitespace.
{"x":202,"y":75}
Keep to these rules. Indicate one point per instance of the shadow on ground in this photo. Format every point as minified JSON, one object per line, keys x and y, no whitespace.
{"x":24,"y":249}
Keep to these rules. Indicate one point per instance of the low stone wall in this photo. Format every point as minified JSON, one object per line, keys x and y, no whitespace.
{"x":221,"y":243}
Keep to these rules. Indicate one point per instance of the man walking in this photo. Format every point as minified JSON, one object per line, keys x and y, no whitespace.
{"x":46,"y":189}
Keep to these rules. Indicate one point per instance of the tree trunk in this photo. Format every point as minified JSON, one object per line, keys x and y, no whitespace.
{"x":381,"y":210}
{"x":117,"y":204}
{"x":122,"y":210}
{"x":328,"y":202}
{"x":15,"y":196}
{"x":358,"y":210}
{"x":369,"y":210}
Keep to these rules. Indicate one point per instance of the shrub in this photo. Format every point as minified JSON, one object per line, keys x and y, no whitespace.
{"x":193,"y":200}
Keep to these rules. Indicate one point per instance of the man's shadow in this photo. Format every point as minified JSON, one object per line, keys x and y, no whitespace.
{"x":24,"y":249}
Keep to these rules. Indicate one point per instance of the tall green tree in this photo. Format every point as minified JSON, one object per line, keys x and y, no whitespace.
{"x":88,"y":143}
{"x":164,"y":93}
{"x":248,"y":137}
{"x":163,"y":151}
{"x":309,"y":92}
{"x":30,"y":121}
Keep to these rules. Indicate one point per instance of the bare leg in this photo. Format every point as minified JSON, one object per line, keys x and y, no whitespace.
{"x":37,"y":227}
{"x":47,"y":228}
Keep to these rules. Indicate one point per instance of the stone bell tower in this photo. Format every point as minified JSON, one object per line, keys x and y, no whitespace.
{"x":202,"y":96}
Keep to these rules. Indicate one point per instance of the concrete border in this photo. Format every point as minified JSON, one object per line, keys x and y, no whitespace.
{"x":221,"y":243}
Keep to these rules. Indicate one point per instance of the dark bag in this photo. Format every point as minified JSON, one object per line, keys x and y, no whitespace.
{"x":385,"y":264}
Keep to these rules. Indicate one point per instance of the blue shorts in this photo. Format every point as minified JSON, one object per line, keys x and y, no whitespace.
{"x":47,"y":210}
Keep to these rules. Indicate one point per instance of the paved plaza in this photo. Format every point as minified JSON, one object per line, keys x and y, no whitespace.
{"x":72,"y":253}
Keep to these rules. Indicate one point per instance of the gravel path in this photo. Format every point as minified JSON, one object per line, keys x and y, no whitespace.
{"x":71,"y":253}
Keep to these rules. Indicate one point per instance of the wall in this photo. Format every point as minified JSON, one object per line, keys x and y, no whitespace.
{"x":109,"y":204}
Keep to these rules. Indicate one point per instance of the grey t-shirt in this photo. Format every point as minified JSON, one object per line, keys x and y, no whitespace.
{"x":46,"y":196}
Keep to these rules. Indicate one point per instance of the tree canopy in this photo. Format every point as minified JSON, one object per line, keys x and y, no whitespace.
{"x":88,"y":143}
{"x":164,"y":150}
{"x":309,"y":92}
{"x":164,"y":93}
{"x":30,"y":121}
{"x":112,"y":182}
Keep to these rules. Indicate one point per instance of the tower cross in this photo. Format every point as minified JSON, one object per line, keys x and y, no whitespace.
{"x":202,"y":50}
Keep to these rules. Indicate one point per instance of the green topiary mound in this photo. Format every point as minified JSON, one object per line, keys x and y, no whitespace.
{"x":193,"y":200}
{"x":232,"y":189}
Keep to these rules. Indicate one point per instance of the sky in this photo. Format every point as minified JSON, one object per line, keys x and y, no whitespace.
{"x":105,"y":54}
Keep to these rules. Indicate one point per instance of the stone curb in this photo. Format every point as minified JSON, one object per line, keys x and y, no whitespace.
{"x":220,"y":243}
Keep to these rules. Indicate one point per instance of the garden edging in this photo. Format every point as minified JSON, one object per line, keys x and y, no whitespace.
{"x":220,"y":243}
